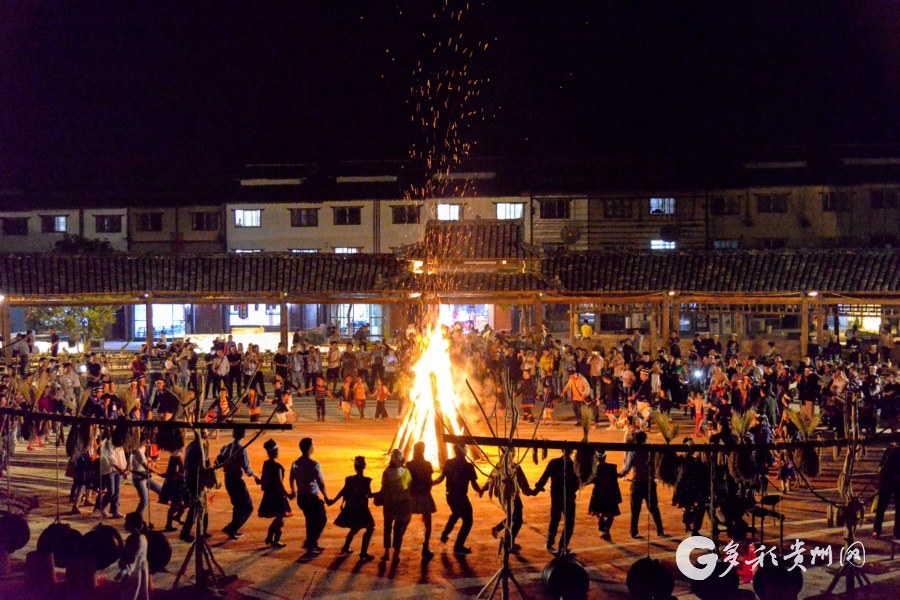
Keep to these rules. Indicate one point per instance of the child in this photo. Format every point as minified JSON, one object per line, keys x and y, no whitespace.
{"x":347,"y":398}
{"x":355,"y":513}
{"x":253,"y":405}
{"x":527,"y":392}
{"x":547,"y":410}
{"x":359,"y":396}
{"x":275,"y":498}
{"x":134,"y":570}
{"x":174,"y":490}
{"x":381,"y":396}
{"x":320,"y":391}
{"x":787,"y":474}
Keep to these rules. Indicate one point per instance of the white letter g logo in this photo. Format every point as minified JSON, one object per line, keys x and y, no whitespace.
{"x":683,"y":558}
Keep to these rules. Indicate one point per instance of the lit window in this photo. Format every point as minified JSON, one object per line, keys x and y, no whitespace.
{"x":247,"y":218}
{"x":661,"y":245}
{"x":510,"y":210}
{"x":725,"y":244}
{"x":108,"y":223}
{"x":347,"y":215}
{"x":54,"y":223}
{"x":448,"y":212}
{"x":239,"y":251}
{"x":662,"y":206}
{"x":346,"y":250}
{"x":304,"y":250}
{"x":304,"y":217}
{"x":407,"y":214}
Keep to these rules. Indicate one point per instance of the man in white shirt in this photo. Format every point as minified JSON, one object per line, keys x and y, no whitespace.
{"x":113,"y":466}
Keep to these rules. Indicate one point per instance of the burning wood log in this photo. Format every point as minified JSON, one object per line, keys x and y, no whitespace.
{"x":438,"y":423}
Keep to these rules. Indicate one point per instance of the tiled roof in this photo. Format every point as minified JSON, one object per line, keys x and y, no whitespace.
{"x":468,"y":282}
{"x":843,"y":271}
{"x":53,"y":274}
{"x":785,"y":271}
{"x":479,"y":239}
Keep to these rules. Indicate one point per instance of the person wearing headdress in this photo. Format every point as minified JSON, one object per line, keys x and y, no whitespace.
{"x":174,"y":490}
{"x":113,"y":467}
{"x":134,"y":568}
{"x":275,"y":503}
{"x":643,"y":484}
{"x":560,"y":472}
{"x":606,"y":497}
{"x":396,"y":504}
{"x":196,"y":459}
{"x":509,"y":480}
{"x":355,"y":514}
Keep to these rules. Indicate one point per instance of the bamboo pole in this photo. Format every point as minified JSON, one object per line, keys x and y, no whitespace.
{"x":154,"y":424}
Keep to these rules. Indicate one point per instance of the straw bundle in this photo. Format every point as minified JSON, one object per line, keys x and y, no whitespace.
{"x":805,"y":459}
{"x":669,"y":463}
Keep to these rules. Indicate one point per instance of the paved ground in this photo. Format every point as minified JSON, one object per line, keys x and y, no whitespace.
{"x":265,"y":573}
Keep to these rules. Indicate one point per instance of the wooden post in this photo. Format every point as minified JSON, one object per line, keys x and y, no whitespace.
{"x":804,"y":325}
{"x":676,"y":317}
{"x":284,"y":322}
{"x":538,"y":314}
{"x":438,"y":423}
{"x":666,"y":324}
{"x":820,"y":324}
{"x":148,"y":304}
{"x":573,"y":324}
{"x":654,"y":315}
{"x":6,"y":332}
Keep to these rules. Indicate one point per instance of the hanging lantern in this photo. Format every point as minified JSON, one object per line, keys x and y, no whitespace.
{"x":14,"y":532}
{"x":103,"y":543}
{"x":60,"y":540}
{"x":649,"y":579}
{"x":159,"y":551}
{"x":564,"y":577}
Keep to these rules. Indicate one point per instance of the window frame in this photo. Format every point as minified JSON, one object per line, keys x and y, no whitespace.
{"x":144,"y":222}
{"x":725,"y":206}
{"x":243,"y":212}
{"x":247,"y":250}
{"x":18,"y":221}
{"x":405,"y":212}
{"x":304,"y":250}
{"x":339,"y":210}
{"x":449,"y":207}
{"x":107,"y":219}
{"x":53,"y":220}
{"x":661,"y":245}
{"x":666,"y":206}
{"x":773,"y":243}
{"x":837,"y":201}
{"x":726,"y":244}
{"x":298,"y":220}
{"x":767,"y":204}
{"x":204,"y":216}
{"x":888,"y":199}
{"x":554,"y":215}
{"x":506,"y":206}
{"x":347,"y":250}
{"x":618,"y":208}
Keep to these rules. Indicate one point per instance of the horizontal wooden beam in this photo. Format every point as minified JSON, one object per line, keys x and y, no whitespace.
{"x":132,"y":423}
{"x":626,"y":446}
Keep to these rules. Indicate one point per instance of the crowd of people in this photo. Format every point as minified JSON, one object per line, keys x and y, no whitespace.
{"x":851,"y":385}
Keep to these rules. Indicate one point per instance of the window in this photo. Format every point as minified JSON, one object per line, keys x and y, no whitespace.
{"x":15,"y":226}
{"x":555,"y":208}
{"x":240,"y":251}
{"x":836,"y":201}
{"x":54,"y":223}
{"x":304,"y":250}
{"x":304,"y":217}
{"x":347,"y":215}
{"x":661,"y":245}
{"x":108,"y":223}
{"x":771,"y":203}
{"x":772,"y":243}
{"x":148,"y":221}
{"x":725,"y":244}
{"x":884,"y":240}
{"x":883,"y":198}
{"x":407,"y":214}
{"x":617,"y":208}
{"x":346,"y":250}
{"x":449,"y":212}
{"x":662,"y":206}
{"x":510,"y":210}
{"x":247,"y":218}
{"x":205,"y":221}
{"x":724,"y":206}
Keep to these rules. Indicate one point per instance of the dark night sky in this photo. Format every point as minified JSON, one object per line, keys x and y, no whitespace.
{"x":183,"y":90}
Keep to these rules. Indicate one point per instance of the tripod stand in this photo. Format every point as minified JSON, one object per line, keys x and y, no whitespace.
{"x":205,"y":565}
